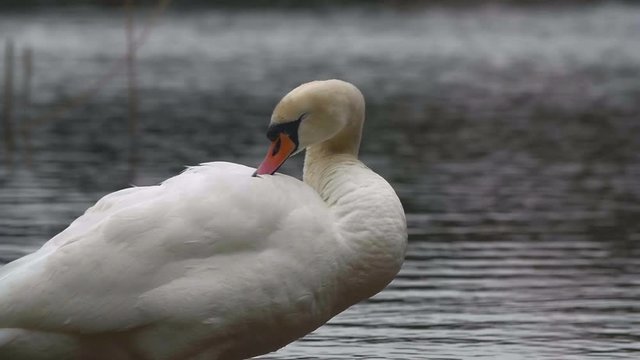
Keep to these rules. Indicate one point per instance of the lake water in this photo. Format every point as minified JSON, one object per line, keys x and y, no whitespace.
{"x":510,"y":134}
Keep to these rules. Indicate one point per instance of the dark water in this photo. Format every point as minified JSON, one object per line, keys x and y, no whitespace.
{"x":511,"y":135}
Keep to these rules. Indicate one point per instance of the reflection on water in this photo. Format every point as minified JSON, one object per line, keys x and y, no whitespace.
{"x":511,"y":136}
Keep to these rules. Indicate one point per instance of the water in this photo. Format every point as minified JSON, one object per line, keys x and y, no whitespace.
{"x":510,"y":134}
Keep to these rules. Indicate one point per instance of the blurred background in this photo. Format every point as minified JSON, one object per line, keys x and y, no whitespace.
{"x":509,"y":129}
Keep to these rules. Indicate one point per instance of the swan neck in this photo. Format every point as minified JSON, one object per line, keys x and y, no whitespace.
{"x":321,"y":167}
{"x":343,"y":147}
{"x":369,"y":222}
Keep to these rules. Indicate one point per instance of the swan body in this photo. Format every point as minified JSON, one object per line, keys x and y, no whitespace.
{"x":216,"y":263}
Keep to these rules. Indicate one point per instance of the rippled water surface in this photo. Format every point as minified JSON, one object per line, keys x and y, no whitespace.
{"x":510,"y":134}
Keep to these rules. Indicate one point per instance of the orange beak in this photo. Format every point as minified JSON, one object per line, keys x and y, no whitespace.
{"x":279,"y":151}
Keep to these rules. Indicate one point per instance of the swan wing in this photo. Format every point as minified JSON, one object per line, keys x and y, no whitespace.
{"x":188,"y":249}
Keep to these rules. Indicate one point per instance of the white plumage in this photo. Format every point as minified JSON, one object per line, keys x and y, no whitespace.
{"x":214,"y":263}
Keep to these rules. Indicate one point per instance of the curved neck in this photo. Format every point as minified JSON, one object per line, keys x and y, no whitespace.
{"x":370,"y":227}
{"x":322,"y":170}
{"x":343,"y":146}
{"x":369,"y":222}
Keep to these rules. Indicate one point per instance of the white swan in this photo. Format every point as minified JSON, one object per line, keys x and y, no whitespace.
{"x":216,"y":263}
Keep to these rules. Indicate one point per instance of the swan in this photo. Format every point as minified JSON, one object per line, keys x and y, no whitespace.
{"x":222,"y":261}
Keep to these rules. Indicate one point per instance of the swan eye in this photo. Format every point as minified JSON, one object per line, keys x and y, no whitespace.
{"x":290,"y":128}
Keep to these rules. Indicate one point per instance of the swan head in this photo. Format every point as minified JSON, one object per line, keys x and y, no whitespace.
{"x":313,"y":113}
